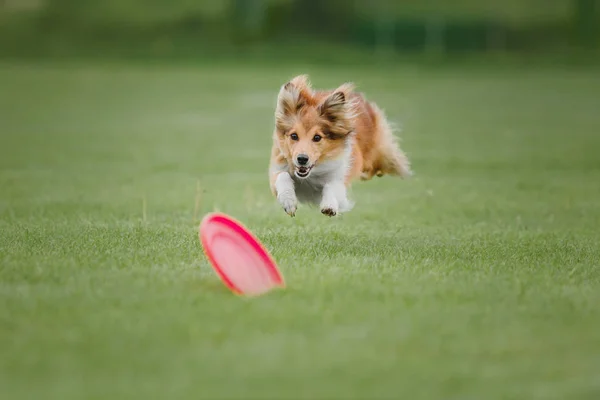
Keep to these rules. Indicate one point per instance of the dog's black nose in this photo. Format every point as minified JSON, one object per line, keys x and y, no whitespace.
{"x":302,"y":159}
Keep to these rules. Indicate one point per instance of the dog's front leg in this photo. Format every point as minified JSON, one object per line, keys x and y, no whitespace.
{"x":286,"y":193}
{"x":334,"y":193}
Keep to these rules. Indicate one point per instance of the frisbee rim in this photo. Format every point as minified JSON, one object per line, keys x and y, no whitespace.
{"x":233,"y":225}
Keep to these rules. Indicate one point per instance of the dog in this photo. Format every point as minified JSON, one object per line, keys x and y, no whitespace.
{"x":323,"y":141}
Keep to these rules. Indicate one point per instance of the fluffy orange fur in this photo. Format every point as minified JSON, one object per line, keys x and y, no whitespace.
{"x":304,"y":115}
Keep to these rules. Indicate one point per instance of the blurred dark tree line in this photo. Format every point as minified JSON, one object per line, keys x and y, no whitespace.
{"x":397,"y":26}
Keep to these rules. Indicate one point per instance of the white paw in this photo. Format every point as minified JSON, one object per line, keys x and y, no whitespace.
{"x":289,"y":204}
{"x":329,"y":211}
{"x":330,"y":208}
{"x":330,"y":205}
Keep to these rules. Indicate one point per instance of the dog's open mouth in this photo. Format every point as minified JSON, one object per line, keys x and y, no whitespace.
{"x":302,"y":172}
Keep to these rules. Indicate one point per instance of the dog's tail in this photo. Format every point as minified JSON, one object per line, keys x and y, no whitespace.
{"x":390,"y":159}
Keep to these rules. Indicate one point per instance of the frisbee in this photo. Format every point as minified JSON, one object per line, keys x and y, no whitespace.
{"x":238,"y":257}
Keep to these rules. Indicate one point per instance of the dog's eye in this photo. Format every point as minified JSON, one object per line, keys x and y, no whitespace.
{"x":294,"y":136}
{"x":317,"y":138}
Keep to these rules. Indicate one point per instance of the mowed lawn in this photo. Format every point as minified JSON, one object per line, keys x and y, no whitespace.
{"x":477,"y":279}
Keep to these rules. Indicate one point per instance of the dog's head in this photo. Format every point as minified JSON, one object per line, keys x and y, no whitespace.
{"x":312,"y":127}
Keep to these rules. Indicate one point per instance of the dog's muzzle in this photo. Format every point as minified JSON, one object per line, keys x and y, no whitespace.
{"x":303,"y":172}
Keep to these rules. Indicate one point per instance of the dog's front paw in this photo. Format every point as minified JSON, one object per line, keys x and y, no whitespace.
{"x":289,"y":204}
{"x":330,"y":207}
{"x":329,"y":211}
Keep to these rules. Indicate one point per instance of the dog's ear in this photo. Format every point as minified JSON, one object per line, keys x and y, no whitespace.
{"x":339,"y":111}
{"x":292,"y":97}
{"x":333,"y":107}
{"x":302,"y":83}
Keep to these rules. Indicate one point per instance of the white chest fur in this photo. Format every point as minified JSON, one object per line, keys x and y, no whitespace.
{"x":324,"y":186}
{"x":310,"y":190}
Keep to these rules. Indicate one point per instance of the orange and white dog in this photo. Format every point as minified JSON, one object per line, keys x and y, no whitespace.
{"x":323,"y":141}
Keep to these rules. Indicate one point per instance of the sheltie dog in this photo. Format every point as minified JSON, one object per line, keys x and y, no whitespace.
{"x":323,"y":141}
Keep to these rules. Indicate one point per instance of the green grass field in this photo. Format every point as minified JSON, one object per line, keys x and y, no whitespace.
{"x":477,"y":279}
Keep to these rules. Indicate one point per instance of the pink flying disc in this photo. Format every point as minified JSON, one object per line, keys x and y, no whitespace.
{"x":240,"y":260}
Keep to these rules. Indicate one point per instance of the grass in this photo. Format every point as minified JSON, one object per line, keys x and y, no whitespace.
{"x":477,"y":279}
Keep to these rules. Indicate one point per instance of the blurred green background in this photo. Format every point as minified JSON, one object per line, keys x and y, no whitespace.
{"x":202,"y":28}
{"x":477,"y":279}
